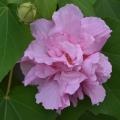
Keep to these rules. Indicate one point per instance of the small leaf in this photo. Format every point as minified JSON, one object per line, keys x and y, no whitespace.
{"x":14,"y":38}
{"x":84,"y":5}
{"x":21,"y":106}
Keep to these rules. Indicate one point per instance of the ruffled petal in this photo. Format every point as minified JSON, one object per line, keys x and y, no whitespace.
{"x":26,"y":64}
{"x":74,"y":51}
{"x":38,"y":52}
{"x":95,"y":91}
{"x":62,"y":50}
{"x":97,"y":67}
{"x":39,"y":71}
{"x":50,"y":96}
{"x":105,"y":69}
{"x":90,"y":64}
{"x":67,"y":20}
{"x":40,"y":28}
{"x":87,"y":43}
{"x":78,"y":95}
{"x":70,"y":81}
{"x":97,"y":28}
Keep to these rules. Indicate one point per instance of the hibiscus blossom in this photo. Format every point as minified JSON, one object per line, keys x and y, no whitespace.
{"x":64,"y":60}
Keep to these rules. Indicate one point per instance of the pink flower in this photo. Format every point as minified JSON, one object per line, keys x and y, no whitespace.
{"x":97,"y":69}
{"x":64,"y":61}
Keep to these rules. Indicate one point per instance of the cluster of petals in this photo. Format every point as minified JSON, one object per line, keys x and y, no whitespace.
{"x":64,"y":61}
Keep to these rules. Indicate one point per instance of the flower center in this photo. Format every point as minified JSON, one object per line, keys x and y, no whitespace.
{"x":68,"y":58}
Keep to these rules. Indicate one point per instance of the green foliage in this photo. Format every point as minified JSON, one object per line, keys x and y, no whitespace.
{"x":45,"y":8}
{"x":73,"y":113}
{"x":90,"y":116}
{"x":14,"y":36}
{"x":21,"y":106}
{"x":84,"y":5}
{"x":108,"y":8}
{"x":92,"y":1}
{"x":14,"y":39}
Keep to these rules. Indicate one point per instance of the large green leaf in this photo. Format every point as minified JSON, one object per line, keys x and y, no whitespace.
{"x":45,"y":8}
{"x":14,"y":38}
{"x":21,"y":106}
{"x":84,"y":5}
{"x":111,"y":105}
{"x":108,"y":8}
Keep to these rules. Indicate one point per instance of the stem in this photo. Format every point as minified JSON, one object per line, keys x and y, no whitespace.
{"x":9,"y":84}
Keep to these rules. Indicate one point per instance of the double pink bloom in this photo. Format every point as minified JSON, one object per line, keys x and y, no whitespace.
{"x":64,"y":60}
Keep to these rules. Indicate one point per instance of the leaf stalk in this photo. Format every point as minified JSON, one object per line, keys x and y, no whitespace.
{"x":9,"y":85}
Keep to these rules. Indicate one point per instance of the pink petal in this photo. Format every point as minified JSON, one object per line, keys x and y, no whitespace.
{"x":89,"y":64}
{"x":70,"y":81}
{"x":78,"y":95}
{"x":40,"y":28}
{"x":97,"y":67}
{"x":97,"y":28}
{"x":87,"y":43}
{"x":62,"y":50}
{"x":95,"y":91}
{"x":105,"y":69}
{"x":49,"y":96}
{"x":74,"y":51}
{"x":67,"y":19}
{"x":40,"y":71}
{"x":26,"y":65}
{"x":38,"y":52}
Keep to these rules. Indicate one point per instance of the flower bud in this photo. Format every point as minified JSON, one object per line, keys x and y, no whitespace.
{"x":26,"y":12}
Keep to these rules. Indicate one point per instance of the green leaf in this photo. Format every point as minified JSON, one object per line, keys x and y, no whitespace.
{"x":73,"y":113}
{"x":108,"y":8}
{"x":90,"y":116}
{"x":21,"y":106}
{"x":111,"y":105}
{"x":92,"y":1}
{"x":14,"y":38}
{"x":14,"y":1}
{"x":84,"y":5}
{"x":45,"y":8}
